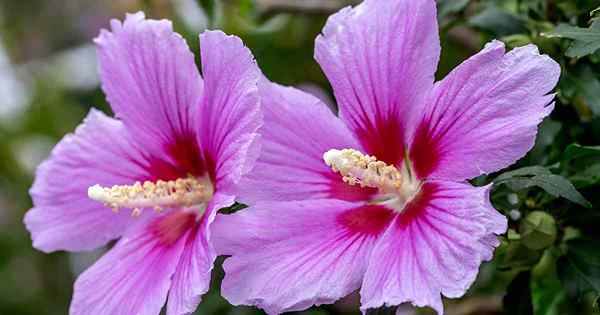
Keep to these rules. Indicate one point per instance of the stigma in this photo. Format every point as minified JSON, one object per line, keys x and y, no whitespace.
{"x":396,"y":186}
{"x":182,"y":192}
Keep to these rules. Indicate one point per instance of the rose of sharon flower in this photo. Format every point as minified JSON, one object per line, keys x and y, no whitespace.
{"x":377,"y":199}
{"x":172,"y":159}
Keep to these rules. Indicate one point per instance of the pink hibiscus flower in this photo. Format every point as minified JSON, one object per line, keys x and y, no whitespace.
{"x":377,"y":199}
{"x":181,"y":144}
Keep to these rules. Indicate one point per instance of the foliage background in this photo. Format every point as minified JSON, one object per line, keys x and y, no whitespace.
{"x":549,"y":262}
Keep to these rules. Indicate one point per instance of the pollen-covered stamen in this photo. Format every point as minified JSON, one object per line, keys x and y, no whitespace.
{"x":365,"y":170}
{"x":397,"y":187}
{"x":183,"y":192}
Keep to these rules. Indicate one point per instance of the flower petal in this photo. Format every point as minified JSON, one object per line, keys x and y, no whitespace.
{"x":434,"y":247}
{"x":150,"y":79}
{"x":380,"y":58}
{"x":298,"y":129}
{"x":134,"y":277}
{"x":63,"y":217}
{"x":288,"y":256}
{"x":484,"y":115}
{"x":230,"y":110}
{"x":192,"y":276}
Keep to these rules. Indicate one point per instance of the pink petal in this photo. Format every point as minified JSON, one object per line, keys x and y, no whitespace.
{"x":288,"y":256}
{"x":434,"y":247}
{"x":134,"y":276}
{"x":192,"y":276}
{"x":298,"y":129}
{"x":63,"y":217}
{"x":484,"y":115}
{"x":230,"y":111}
{"x":150,"y":79}
{"x":380,"y":58}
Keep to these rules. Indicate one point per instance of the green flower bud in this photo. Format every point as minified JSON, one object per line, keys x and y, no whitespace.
{"x":538,"y":230}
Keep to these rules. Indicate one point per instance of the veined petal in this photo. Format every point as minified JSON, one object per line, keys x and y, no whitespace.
{"x":192,"y":276}
{"x":287,"y":256}
{"x":230,"y":109}
{"x":298,"y":129}
{"x":433,"y":248}
{"x":134,"y":277}
{"x":484,"y":115}
{"x":100,"y":151}
{"x":380,"y":58}
{"x":151,"y":81}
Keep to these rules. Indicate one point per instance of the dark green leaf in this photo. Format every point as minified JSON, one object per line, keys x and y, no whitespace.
{"x":446,"y":7}
{"x":584,"y":82}
{"x":498,"y":21}
{"x":535,"y":6}
{"x":574,"y":151}
{"x":545,"y":141}
{"x":585,"y":40}
{"x":524,"y":171}
{"x":589,"y":176}
{"x":559,"y":186}
{"x":579,"y":268}
{"x":574,"y":32}
{"x":537,"y":176}
{"x":517,"y":300}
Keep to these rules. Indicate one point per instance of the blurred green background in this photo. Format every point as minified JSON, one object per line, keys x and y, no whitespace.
{"x":549,"y":262}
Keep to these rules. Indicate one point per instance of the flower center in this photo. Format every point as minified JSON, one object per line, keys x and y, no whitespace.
{"x":396,"y":186}
{"x":182,"y":192}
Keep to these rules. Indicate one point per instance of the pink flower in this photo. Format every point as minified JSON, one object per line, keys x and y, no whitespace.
{"x":377,"y":199}
{"x":181,"y":144}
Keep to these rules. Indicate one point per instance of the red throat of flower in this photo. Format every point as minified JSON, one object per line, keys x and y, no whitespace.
{"x":171,"y":227}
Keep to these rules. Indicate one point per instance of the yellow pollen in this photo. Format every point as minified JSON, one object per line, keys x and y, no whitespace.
{"x":182,"y":192}
{"x":365,"y":170}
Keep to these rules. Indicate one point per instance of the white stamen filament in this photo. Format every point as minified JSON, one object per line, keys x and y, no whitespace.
{"x":174,"y":193}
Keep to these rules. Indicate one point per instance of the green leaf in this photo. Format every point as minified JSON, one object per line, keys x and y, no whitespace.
{"x":498,"y":21}
{"x":545,"y":142}
{"x":524,"y":171}
{"x":585,"y":40}
{"x":538,"y":230}
{"x":575,"y":151}
{"x":446,"y":7}
{"x":579,"y":268}
{"x":584,"y":82}
{"x":559,"y":186}
{"x":589,"y":176}
{"x":537,"y":176}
